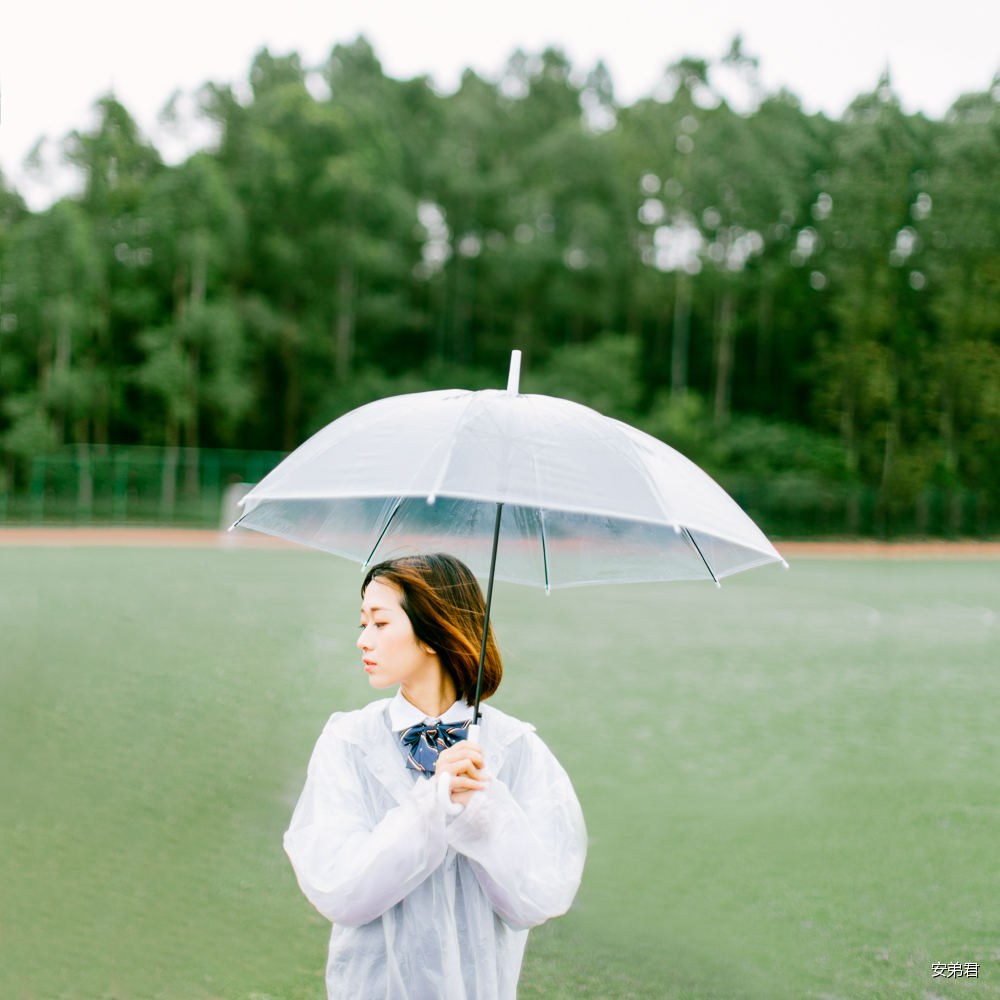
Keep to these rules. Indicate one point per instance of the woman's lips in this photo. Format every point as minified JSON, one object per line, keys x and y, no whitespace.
{"x":369,"y":666}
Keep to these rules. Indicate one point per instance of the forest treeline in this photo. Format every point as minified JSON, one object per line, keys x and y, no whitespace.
{"x":808,"y":307}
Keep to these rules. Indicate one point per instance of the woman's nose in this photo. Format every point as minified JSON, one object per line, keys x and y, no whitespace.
{"x":362,"y":639}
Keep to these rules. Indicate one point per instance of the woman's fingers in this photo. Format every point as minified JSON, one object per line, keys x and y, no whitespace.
{"x":464,"y":762}
{"x":460,"y":758}
{"x":463,"y":750}
{"x":463,"y":766}
{"x":462,"y":782}
{"x":464,"y":747}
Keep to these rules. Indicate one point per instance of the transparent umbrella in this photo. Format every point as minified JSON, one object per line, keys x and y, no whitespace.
{"x":526,"y":488}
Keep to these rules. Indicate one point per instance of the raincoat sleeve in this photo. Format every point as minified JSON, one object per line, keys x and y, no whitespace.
{"x":351,"y":869}
{"x":526,"y":840}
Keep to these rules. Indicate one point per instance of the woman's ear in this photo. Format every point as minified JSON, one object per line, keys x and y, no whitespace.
{"x":427,"y":649}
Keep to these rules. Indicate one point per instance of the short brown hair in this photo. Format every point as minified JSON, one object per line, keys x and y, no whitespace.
{"x":445,"y":605}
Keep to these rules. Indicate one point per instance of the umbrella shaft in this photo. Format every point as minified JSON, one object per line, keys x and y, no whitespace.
{"x":486,"y":617}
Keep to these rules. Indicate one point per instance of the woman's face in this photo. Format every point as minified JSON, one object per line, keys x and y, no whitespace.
{"x":391,"y":652}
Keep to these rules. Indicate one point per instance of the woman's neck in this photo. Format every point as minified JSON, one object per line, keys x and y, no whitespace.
{"x":432,"y":695}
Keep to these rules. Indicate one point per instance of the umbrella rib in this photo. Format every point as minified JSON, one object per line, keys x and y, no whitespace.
{"x":384,"y":530}
{"x":642,"y":469}
{"x":442,"y":472}
{"x":545,"y":554}
{"x":703,"y":559}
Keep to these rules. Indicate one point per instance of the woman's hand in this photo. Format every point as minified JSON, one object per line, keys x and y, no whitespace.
{"x":464,"y":762}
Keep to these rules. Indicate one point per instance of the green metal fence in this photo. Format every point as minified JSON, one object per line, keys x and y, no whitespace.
{"x":784,"y":511}
{"x":119,"y":484}
{"x":126,"y":484}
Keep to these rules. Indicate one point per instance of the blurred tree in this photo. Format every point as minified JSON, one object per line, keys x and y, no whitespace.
{"x":320,"y":184}
{"x":196,"y":243}
{"x":870,"y":379}
{"x":955,"y":212}
{"x":55,"y":386}
{"x":752,"y":283}
{"x":116,"y":164}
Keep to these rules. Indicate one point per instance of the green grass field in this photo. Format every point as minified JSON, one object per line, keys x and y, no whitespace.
{"x":792,"y":785}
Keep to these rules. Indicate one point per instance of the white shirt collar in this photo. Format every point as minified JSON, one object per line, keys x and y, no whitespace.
{"x":402,"y":714}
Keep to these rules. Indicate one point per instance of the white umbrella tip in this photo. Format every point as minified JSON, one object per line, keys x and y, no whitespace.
{"x":514,"y":378}
{"x":718,"y":586}
{"x":431,"y":499}
{"x":784,"y":565}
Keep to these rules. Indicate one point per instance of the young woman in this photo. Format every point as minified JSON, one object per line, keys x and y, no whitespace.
{"x":432,"y":855}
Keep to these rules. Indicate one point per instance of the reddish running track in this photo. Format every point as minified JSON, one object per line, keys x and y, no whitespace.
{"x":889,"y":550}
{"x":202,"y":538}
{"x":155,"y":538}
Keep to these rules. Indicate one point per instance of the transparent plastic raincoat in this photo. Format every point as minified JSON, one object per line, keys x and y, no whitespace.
{"x":428,"y":906}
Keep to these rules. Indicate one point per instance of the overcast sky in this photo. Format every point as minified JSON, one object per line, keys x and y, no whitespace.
{"x":57,"y":57}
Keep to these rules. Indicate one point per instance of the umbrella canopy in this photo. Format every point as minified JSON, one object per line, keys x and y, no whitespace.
{"x":537,"y":489}
{"x":586,"y":499}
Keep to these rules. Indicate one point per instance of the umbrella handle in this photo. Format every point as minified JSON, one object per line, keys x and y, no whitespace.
{"x":473,"y":736}
{"x":486,"y":616}
{"x":444,"y":794}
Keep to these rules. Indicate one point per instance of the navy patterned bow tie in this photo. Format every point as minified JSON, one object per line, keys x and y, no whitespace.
{"x":424,"y":743}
